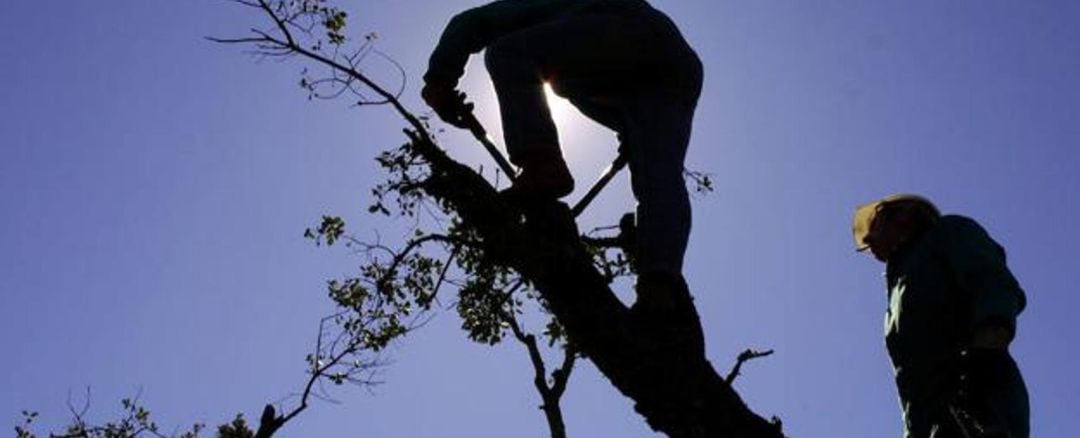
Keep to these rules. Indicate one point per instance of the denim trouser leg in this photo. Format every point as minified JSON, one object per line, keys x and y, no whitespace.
{"x":996,"y":396}
{"x":519,"y":86}
{"x":998,"y":393}
{"x":630,"y":72}
{"x":656,"y":148}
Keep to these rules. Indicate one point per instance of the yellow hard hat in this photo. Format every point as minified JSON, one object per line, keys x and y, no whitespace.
{"x":864,"y":215}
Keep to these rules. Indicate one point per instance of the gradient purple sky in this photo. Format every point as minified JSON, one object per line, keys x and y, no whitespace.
{"x":154,"y":188}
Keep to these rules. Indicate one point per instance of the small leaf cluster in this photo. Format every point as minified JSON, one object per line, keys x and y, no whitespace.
{"x":23,"y":430}
{"x":701,"y":182}
{"x":135,"y":422}
{"x":309,"y":14}
{"x":614,"y":256}
{"x":613,"y":263}
{"x":485,"y":303}
{"x":334,"y":21}
{"x":554,"y":332}
{"x":237,"y":428}
{"x":404,"y":187}
{"x":329,"y":230}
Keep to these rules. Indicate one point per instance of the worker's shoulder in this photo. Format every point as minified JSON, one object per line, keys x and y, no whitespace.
{"x":958,"y":222}
{"x":951,"y":227}
{"x":961,"y":231}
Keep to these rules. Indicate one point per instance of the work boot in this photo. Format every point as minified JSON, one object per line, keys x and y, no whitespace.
{"x":660,"y":293}
{"x":544,"y":175}
{"x":664,"y":308}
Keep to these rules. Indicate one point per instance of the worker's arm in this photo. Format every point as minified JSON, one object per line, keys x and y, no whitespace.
{"x":979,"y":270}
{"x":470,"y":31}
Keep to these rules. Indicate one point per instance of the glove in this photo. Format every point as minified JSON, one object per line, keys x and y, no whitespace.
{"x":449,"y":104}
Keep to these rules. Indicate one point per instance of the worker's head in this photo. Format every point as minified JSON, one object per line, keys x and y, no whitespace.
{"x":884,"y":226}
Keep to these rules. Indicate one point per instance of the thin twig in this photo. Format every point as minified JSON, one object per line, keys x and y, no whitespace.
{"x":745,"y":356}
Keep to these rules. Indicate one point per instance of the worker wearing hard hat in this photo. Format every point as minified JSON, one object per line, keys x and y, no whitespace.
{"x":952,"y":314}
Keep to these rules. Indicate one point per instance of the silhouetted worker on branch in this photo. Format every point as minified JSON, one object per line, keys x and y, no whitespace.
{"x":952,"y":314}
{"x":621,"y":63}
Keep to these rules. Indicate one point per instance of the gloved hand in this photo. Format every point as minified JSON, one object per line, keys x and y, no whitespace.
{"x":449,"y":104}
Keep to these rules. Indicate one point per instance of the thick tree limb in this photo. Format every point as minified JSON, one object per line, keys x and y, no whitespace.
{"x":649,"y":360}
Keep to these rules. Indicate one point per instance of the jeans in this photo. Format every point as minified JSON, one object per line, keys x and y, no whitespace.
{"x":628,"y":70}
{"x":992,"y":394}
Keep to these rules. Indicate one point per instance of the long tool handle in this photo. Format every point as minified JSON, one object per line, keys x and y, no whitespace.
{"x":605,"y":178}
{"x":480,"y":133}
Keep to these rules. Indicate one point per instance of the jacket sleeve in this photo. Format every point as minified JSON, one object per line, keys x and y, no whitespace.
{"x":978,"y":268}
{"x":470,"y":31}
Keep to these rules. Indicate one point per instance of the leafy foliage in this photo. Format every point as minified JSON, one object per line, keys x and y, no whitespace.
{"x":135,"y":422}
{"x":237,"y":428}
{"x":407,"y":172}
{"x":329,"y":231}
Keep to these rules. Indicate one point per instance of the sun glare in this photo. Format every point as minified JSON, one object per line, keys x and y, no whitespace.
{"x":573,"y":135}
{"x":561,"y":109}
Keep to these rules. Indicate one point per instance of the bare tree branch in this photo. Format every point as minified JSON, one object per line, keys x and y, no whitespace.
{"x":549,"y":394}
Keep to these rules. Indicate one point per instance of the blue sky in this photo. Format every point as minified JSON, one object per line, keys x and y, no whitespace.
{"x":155,"y":188}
